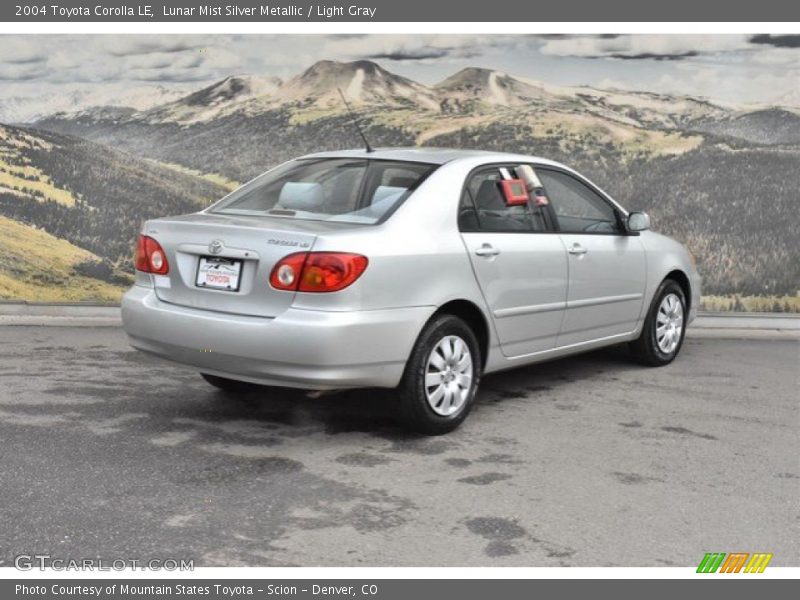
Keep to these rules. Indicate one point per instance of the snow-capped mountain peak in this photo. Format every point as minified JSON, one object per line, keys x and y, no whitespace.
{"x":478,"y":85}
{"x":362,"y":82}
{"x":232,"y":89}
{"x":222,"y":97}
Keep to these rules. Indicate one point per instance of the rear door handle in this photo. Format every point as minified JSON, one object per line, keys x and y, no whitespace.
{"x":577,"y":249}
{"x":487,"y":250}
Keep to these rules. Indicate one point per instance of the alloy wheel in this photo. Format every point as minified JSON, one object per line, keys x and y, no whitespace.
{"x":669,"y":323}
{"x":448,"y":375}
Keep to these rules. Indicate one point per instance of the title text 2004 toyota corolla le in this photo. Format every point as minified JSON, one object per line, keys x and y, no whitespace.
{"x":414,"y":268}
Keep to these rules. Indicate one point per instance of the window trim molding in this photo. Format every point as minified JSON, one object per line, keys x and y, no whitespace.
{"x":619,"y":212}
{"x":551,"y":225}
{"x":368,"y":161}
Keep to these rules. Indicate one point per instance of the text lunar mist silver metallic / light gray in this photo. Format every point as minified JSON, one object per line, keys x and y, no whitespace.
{"x":419,"y":269}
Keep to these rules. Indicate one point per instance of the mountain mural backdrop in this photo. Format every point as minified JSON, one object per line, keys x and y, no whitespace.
{"x":75,"y":186}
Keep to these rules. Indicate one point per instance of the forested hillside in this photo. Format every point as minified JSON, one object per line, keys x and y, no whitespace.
{"x":93,"y":197}
{"x":722,"y":180}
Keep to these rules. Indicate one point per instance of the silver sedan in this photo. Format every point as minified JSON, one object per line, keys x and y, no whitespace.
{"x":420,"y":269}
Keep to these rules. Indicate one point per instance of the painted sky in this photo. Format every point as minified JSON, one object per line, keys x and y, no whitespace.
{"x":725,"y":68}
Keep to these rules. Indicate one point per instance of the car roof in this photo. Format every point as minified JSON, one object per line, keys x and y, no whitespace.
{"x":437,"y":156}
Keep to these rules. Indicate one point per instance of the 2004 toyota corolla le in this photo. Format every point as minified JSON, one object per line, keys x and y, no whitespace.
{"x":419,"y":269}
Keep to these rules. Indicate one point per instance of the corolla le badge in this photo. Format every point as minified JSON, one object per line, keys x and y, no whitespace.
{"x":277,"y":242}
{"x":216,"y":247}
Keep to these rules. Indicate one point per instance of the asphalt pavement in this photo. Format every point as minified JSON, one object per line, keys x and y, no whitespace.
{"x":586,"y":461}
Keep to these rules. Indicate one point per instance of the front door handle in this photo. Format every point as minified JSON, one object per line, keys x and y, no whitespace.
{"x":487,"y":250}
{"x":577,"y":249}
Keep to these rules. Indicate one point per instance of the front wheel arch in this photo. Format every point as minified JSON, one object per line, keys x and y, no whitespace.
{"x":645,"y":348}
{"x":682,"y":280}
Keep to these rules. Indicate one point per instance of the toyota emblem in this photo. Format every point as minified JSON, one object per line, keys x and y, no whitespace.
{"x":216,"y":247}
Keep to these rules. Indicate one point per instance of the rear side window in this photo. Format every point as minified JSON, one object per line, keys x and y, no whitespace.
{"x":579,"y":208}
{"x":484,"y":208}
{"x":345,"y":190}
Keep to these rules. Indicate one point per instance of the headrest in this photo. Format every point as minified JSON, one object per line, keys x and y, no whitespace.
{"x":386,"y":192}
{"x":489,"y":197}
{"x":403,"y":182}
{"x":297,"y":195}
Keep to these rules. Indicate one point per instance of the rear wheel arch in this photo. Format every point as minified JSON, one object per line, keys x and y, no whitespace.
{"x":473,"y":316}
{"x":435,"y":394}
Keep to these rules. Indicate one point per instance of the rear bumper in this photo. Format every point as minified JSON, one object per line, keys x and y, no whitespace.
{"x":300,"y":348}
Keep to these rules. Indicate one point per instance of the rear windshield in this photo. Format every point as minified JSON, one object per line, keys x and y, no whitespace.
{"x":328,"y":189}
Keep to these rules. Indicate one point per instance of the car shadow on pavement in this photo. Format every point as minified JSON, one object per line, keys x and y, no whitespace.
{"x":374,"y":411}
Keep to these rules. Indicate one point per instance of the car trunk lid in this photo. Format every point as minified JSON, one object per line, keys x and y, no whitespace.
{"x":206,"y":251}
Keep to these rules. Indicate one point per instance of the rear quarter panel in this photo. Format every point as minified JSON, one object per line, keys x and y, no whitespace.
{"x":416,"y":258}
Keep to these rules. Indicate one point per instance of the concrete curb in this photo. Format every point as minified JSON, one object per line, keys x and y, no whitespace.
{"x":59,"y":321}
{"x":719,"y":333}
{"x":710,"y":320}
{"x":757,"y":326}
{"x":60,"y":315}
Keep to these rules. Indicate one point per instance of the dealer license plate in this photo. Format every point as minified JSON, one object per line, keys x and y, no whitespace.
{"x":219,"y":273}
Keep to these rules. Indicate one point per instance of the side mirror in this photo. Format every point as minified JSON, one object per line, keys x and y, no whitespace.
{"x":638,"y":221}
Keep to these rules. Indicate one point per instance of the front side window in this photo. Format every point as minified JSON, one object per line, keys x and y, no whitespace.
{"x":328,"y":189}
{"x":579,"y":209}
{"x":484,"y":207}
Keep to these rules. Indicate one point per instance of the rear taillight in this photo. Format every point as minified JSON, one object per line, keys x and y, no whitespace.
{"x":317,"y":271}
{"x":149,"y":256}
{"x":286,"y":274}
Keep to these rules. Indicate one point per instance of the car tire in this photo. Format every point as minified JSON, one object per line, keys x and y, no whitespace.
{"x":228,"y":385}
{"x":664,"y":327}
{"x":441,"y":377}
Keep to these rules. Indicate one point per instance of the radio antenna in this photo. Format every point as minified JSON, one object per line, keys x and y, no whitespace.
{"x":354,"y":120}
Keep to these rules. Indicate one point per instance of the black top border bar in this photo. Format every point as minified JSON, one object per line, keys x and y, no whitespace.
{"x":465,"y":11}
